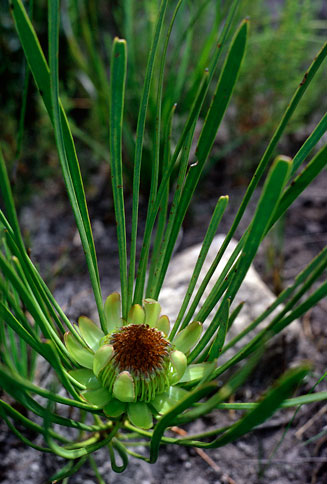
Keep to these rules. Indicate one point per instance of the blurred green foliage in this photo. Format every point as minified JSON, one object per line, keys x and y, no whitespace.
{"x":283,"y":37}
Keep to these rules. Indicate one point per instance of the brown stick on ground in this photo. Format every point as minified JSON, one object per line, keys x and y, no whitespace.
{"x":204,"y":456}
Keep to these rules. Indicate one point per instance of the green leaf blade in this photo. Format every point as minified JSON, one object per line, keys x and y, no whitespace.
{"x":117,"y":90}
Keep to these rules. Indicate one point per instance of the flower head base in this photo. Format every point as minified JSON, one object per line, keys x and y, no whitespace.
{"x":144,"y":353}
{"x":134,"y":367}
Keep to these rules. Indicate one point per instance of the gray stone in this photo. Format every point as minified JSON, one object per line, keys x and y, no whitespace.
{"x":253,"y":292}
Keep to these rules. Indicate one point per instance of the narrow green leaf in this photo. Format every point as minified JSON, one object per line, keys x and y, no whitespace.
{"x":9,"y":201}
{"x":138,"y":149}
{"x":167,"y":244}
{"x":212,"y":122}
{"x":129,"y":16}
{"x":219,"y":286}
{"x":162,"y":216}
{"x":288,"y":403}
{"x":152,"y":290}
{"x":265,"y":409}
{"x":319,"y":261}
{"x":151,"y":218}
{"x":313,"y":168}
{"x":311,"y":301}
{"x":222,"y":94}
{"x":309,"y":75}
{"x":33,"y":280}
{"x":234,"y":314}
{"x":310,"y":143}
{"x":16,"y":325}
{"x":83,"y":449}
{"x":266,"y":207}
{"x":20,"y":134}
{"x":26,"y":422}
{"x":207,"y":241}
{"x":32,"y":305}
{"x":277,"y":325}
{"x":68,"y":159}
{"x":117,"y":90}
{"x":122,"y":454}
{"x":53,"y":357}
{"x":224,"y":393}
{"x":219,"y":340}
{"x":218,"y":320}
{"x":24,"y":439}
{"x":167,"y":419}
{"x":68,"y":470}
{"x":20,"y":388}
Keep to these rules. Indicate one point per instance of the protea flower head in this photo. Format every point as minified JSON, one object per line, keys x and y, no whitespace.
{"x":133,"y":368}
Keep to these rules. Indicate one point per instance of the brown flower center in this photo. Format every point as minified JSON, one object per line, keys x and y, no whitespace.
{"x":140,"y":349}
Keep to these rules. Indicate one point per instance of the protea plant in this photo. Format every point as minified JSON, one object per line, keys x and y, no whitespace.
{"x":131,"y":376}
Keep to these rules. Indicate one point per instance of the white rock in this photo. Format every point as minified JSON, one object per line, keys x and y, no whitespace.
{"x":253,"y":291}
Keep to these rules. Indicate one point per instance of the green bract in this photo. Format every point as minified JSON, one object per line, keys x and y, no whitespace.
{"x":133,"y":368}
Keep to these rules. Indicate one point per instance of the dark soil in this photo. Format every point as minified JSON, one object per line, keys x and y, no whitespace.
{"x":279,"y":451}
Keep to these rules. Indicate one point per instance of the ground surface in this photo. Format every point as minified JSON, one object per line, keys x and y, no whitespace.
{"x":56,"y":248}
